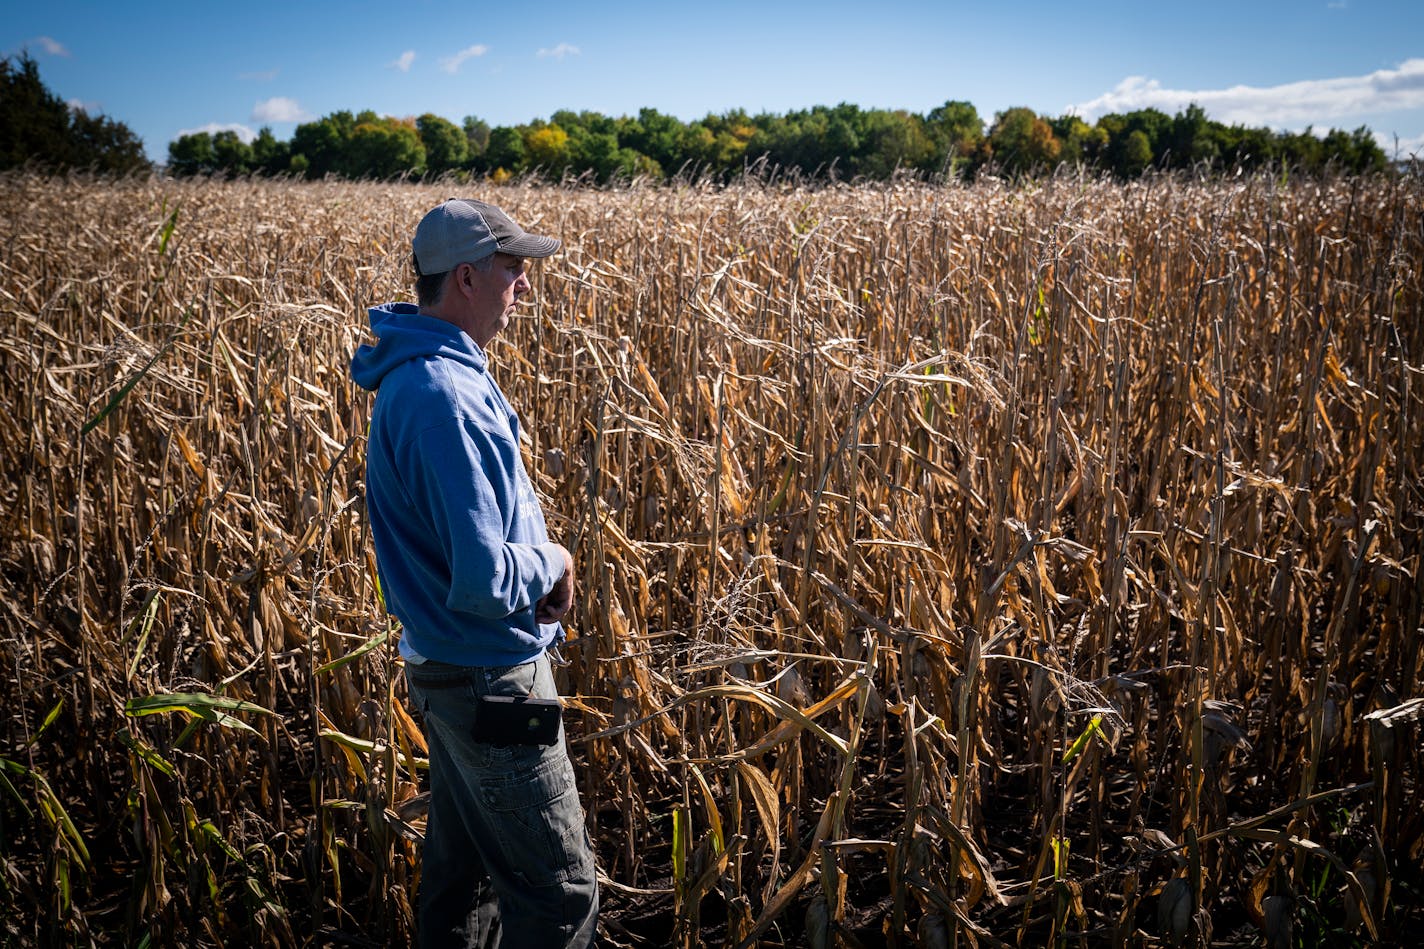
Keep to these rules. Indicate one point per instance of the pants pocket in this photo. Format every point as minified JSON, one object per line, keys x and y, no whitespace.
{"x":538,"y":818}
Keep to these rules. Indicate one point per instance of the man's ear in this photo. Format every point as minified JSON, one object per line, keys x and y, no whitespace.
{"x":464,"y":277}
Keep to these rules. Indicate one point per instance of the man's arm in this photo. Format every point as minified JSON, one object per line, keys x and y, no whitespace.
{"x":489,"y":576}
{"x":557,"y":601}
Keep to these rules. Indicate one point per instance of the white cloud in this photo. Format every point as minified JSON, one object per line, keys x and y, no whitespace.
{"x":1294,"y":103}
{"x":51,"y":45}
{"x":558,"y":52}
{"x":279,"y":109}
{"x":403,"y":61}
{"x":79,"y":105}
{"x":266,"y":75}
{"x":212,"y":128}
{"x":451,"y":64}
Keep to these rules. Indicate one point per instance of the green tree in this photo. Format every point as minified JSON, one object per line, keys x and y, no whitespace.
{"x":1355,"y":152}
{"x":383,"y":148}
{"x":1301,"y":151}
{"x":1244,"y":147}
{"x":733,"y":133}
{"x":1136,"y":153}
{"x":269,"y":156}
{"x":231,"y":154}
{"x":41,"y":128}
{"x":107,"y":146}
{"x":1192,"y":140}
{"x":1020,"y":142}
{"x":477,"y":136}
{"x":661,"y":138}
{"x":1125,"y":154}
{"x":842,"y":138}
{"x":36,"y":121}
{"x":505,"y":151}
{"x":1155,"y":124}
{"x":698,"y":149}
{"x":322,"y":144}
{"x":894,"y":140}
{"x":191,"y":155}
{"x":812,"y":141}
{"x":596,"y":152}
{"x":957,"y":132}
{"x":446,"y":146}
{"x":1079,"y":143}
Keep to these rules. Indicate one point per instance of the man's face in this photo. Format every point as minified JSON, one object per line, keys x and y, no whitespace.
{"x":496,"y":293}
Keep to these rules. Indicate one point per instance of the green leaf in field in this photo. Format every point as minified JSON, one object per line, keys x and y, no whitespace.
{"x":356,"y":653}
{"x":1060,"y":847}
{"x":61,"y":869}
{"x":124,"y":390}
{"x":6,"y":786}
{"x":147,"y":753}
{"x":149,"y":611}
{"x":210,"y":831}
{"x":166,"y":231}
{"x":196,"y":705}
{"x":1035,"y":334}
{"x":52,"y":810}
{"x":679,"y":845}
{"x":352,"y":746}
{"x":1095,"y":727}
{"x":49,"y":720}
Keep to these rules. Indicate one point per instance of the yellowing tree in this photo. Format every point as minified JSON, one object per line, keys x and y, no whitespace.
{"x":547,"y":148}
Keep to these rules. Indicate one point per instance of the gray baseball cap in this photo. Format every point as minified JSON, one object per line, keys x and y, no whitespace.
{"x":463,"y":231}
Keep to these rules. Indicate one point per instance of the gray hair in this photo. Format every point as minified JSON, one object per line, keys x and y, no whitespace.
{"x":430,"y":288}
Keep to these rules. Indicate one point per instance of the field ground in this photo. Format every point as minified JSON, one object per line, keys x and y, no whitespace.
{"x":958,"y":565}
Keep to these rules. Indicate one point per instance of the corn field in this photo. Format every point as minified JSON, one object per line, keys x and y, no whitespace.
{"x":958,"y":565}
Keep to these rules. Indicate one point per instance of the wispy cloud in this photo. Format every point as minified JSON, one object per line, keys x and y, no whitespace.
{"x":558,"y":52}
{"x":212,"y":128}
{"x":403,"y":61}
{"x":1290,"y":104}
{"x":266,"y":75}
{"x":452,"y":64}
{"x":88,"y":108}
{"x":279,"y":109}
{"x":50,"y":46}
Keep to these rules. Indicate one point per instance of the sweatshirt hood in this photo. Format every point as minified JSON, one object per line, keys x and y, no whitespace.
{"x":403,"y":333}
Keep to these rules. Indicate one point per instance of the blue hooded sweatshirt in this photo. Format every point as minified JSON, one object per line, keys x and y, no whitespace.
{"x":461,"y":546}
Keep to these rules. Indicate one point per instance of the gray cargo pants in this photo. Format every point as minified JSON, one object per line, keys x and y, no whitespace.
{"x":507,"y":860}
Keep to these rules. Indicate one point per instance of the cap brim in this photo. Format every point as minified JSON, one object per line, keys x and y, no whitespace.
{"x":530,"y":245}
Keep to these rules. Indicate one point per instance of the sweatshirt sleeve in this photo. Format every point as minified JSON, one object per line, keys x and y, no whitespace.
{"x":467,"y":480}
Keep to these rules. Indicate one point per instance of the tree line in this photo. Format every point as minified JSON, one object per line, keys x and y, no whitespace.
{"x":843,"y":142}
{"x":825,"y":142}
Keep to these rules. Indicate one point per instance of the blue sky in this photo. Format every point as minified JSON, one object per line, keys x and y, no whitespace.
{"x":166,"y":68}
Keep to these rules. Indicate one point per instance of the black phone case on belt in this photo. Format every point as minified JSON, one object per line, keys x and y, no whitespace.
{"x":517,"y":720}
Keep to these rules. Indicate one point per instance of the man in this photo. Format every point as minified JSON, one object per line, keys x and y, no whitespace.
{"x":466,"y":564}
